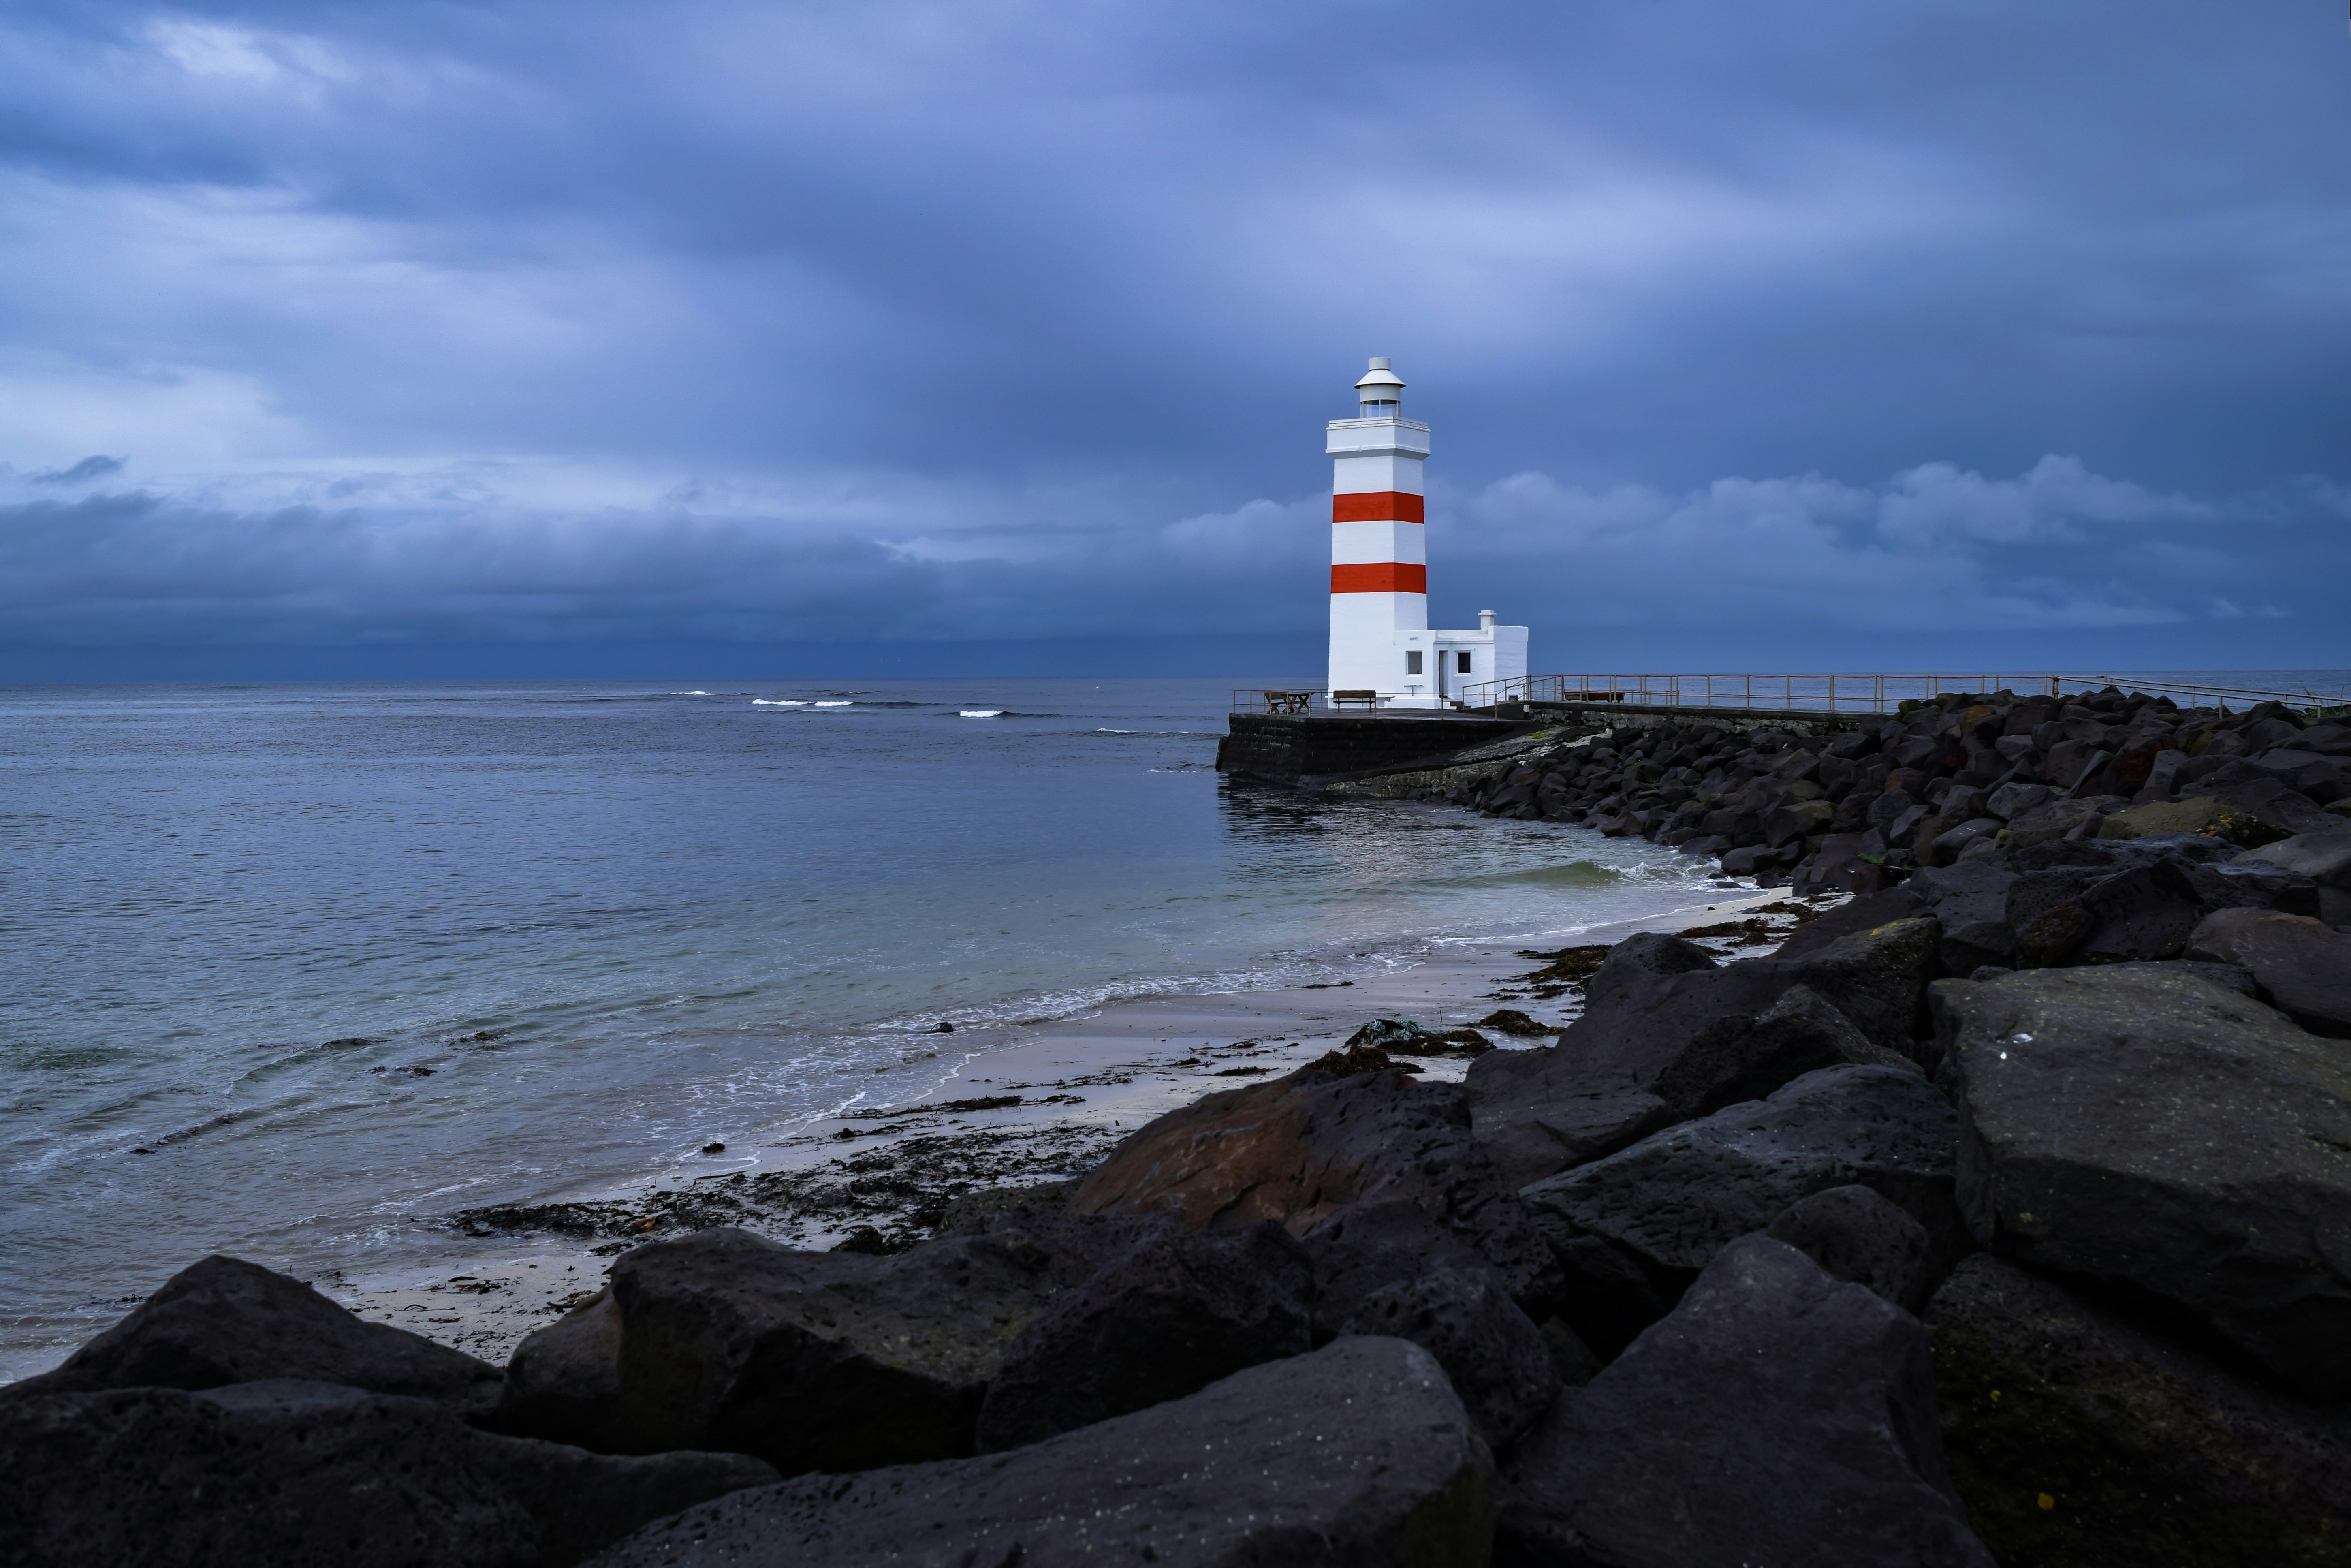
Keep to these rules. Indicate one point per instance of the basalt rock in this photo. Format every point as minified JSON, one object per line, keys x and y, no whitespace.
{"x":293,"y":1474}
{"x":2303,"y":967}
{"x":1633,"y":1228}
{"x":829,"y":1361}
{"x":1779,"y":1417}
{"x":1179,"y":1310}
{"x":2202,"y":815}
{"x":1491,"y":1352}
{"x":1666,"y":1034}
{"x":2145,"y":1129}
{"x":2324,"y":857}
{"x":225,"y":1320}
{"x":1971,"y":901}
{"x":1356,"y":1456}
{"x":2078,"y":1436}
{"x":563,"y":1383}
{"x":1860,"y":913}
{"x":1858,"y":1235}
{"x":1298,"y":1149}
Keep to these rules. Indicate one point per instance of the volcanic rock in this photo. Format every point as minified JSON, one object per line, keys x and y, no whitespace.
{"x":1651,"y":1217}
{"x":1356,"y":1456}
{"x":280,"y":1471}
{"x":832,"y":1360}
{"x":1859,"y":1237}
{"x":1667,"y":1034}
{"x":1298,"y":1149}
{"x":1179,"y":1310}
{"x":225,"y":1320}
{"x":2304,"y":967}
{"x":2076,"y":1437}
{"x":1779,"y":1417}
{"x":2145,"y":1128}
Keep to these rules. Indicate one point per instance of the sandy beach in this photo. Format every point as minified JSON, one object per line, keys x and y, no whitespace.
{"x":1044,"y":1104}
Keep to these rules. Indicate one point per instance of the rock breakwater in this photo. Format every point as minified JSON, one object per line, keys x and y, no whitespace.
{"x":1857,"y":803}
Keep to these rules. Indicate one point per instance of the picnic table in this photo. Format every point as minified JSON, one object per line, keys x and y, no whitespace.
{"x":1290,"y":702}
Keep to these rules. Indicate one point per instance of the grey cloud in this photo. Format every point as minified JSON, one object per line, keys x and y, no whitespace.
{"x":1005,"y":288}
{"x":1933,"y":549}
{"x":93,"y":467}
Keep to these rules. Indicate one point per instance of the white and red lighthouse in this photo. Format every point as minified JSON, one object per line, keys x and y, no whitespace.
{"x":1380,"y":638}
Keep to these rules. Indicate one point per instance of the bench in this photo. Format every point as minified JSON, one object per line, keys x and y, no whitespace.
{"x":1369,"y":699}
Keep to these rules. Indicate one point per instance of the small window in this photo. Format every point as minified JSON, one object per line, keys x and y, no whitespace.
{"x":1463,"y":667}
{"x":1412,"y":662}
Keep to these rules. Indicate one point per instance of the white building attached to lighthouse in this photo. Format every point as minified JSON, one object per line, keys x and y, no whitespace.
{"x":1381,"y":647}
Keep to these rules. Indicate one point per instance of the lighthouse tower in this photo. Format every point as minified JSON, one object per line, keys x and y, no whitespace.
{"x":1380,"y":639}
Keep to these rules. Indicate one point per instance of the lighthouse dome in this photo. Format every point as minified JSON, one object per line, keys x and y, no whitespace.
{"x":1380,"y":391}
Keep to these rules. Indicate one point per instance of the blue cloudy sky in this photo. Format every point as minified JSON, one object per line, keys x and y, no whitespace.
{"x":578,"y":336}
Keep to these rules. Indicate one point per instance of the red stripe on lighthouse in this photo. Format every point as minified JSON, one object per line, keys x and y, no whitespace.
{"x":1387,"y":577}
{"x":1378,"y":507}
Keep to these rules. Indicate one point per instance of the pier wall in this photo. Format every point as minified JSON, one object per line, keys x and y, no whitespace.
{"x":1287,"y":749}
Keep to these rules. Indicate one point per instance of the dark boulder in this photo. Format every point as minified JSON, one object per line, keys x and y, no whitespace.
{"x":1368,"y":1247}
{"x":2076,"y":1436}
{"x":1779,"y":1417}
{"x":1859,"y":1237}
{"x":1667,"y":1034}
{"x":2142,"y":1128}
{"x":1971,"y":901}
{"x":1878,"y":978}
{"x":1371,"y":1261}
{"x":563,"y":1383}
{"x":1179,"y":1310}
{"x":2275,"y":809}
{"x":1298,"y":1149}
{"x":1635,"y":1228}
{"x":832,"y":1360}
{"x":2302,"y":966}
{"x":1356,"y":1456}
{"x":2052,"y":820}
{"x":295,"y":1474}
{"x":1495,"y":1357}
{"x":1860,"y":913}
{"x":225,"y":1320}
{"x":1798,"y":1033}
{"x":2324,"y":857}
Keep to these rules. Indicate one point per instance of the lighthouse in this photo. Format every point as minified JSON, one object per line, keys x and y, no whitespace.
{"x":1381,"y":645}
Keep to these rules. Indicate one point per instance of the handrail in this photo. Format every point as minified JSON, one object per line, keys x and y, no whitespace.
{"x":1849,"y":692}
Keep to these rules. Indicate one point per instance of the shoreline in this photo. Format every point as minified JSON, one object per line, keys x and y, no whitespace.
{"x":1044,"y":1108}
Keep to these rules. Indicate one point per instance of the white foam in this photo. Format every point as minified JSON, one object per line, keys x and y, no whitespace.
{"x":780,"y":702}
{"x":689,"y":693}
{"x":983,"y":713}
{"x":836,"y":705}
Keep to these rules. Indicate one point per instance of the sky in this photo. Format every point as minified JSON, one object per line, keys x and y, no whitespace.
{"x":704,"y":338}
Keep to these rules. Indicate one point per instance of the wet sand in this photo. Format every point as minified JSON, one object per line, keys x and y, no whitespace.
{"x":1045,"y":1105}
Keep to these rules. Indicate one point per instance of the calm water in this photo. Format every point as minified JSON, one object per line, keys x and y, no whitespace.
{"x":615,"y":923}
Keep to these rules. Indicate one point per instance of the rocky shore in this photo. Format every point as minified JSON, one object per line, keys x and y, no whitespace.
{"x":1854,"y":803}
{"x":1998,"y":1213}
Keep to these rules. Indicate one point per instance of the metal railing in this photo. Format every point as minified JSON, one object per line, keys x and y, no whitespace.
{"x":1859,"y":693}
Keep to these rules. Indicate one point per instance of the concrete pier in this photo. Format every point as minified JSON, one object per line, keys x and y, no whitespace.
{"x":1311,"y":750}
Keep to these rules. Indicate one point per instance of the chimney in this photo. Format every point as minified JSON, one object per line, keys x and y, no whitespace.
{"x":1485,"y":620}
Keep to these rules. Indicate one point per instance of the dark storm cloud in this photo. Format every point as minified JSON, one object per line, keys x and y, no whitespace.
{"x":541,"y":320}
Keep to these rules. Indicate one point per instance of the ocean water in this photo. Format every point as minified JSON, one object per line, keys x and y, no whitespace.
{"x":292,"y":970}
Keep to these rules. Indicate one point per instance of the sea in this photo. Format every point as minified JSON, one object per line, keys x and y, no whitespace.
{"x":293,"y":972}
